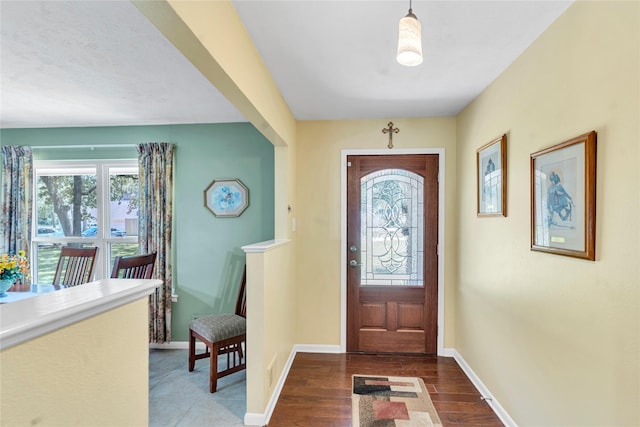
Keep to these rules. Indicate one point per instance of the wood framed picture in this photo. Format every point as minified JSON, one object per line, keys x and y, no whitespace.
{"x":491,"y":166}
{"x":563,"y":198}
{"x":226,"y":197}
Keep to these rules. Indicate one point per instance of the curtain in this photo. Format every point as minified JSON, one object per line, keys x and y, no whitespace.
{"x":17,"y":200}
{"x":155,"y":217}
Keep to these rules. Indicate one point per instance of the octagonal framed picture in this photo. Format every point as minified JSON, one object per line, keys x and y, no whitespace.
{"x":226,"y":198}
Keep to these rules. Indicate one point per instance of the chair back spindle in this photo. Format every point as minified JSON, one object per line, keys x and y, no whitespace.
{"x":241,"y":303}
{"x":134,"y":267}
{"x":75,"y":266}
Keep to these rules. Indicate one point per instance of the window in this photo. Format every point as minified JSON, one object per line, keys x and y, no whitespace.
{"x":84,"y":203}
{"x":392,"y":212}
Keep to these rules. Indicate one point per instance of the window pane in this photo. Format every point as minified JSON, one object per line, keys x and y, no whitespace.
{"x":86,"y":203}
{"x":122,"y":249}
{"x":47,"y":260}
{"x":392,"y":228}
{"x":65,"y":203}
{"x":123,"y":203}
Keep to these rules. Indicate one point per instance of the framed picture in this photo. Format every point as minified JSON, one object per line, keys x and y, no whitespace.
{"x":491,"y":165}
{"x":563,"y":198}
{"x":226,"y":197}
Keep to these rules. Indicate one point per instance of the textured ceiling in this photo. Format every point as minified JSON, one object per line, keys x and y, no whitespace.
{"x":102,"y":63}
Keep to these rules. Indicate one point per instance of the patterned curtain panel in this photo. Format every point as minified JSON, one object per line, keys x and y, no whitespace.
{"x":17,"y":200}
{"x":155,"y":216}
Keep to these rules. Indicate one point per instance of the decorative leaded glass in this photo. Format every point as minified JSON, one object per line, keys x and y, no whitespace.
{"x":392,"y":229}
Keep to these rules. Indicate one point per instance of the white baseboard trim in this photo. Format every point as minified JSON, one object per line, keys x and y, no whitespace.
{"x":176,"y":345}
{"x":173,"y":345}
{"x":313,"y":348}
{"x":254,"y":419}
{"x":448,"y":352}
{"x":257,"y":419}
{"x":263,"y":419}
{"x":484,"y":391}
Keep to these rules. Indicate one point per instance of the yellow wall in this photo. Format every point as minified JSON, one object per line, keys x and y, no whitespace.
{"x":270,"y":326}
{"x":92,"y":373}
{"x":211,"y":35}
{"x":554,"y":338}
{"x":318,"y":158}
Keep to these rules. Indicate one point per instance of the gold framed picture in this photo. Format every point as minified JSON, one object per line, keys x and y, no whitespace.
{"x":563,"y":198}
{"x":491,"y":167}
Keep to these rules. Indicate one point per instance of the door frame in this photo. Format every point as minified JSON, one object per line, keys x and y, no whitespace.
{"x":343,"y":233}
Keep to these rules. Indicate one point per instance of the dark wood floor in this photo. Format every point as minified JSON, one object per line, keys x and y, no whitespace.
{"x":317,"y":391}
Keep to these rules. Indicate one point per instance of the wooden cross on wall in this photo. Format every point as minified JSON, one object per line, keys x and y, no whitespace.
{"x":390,"y":130}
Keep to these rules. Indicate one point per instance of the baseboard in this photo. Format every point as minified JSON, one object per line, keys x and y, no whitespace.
{"x":255,"y":419}
{"x":173,"y":345}
{"x":484,"y":391}
{"x":448,"y":352}
{"x":313,"y":348}
{"x":263,"y":419}
{"x":176,"y":345}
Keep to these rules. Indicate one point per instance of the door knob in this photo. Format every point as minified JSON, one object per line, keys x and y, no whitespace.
{"x":354,"y":263}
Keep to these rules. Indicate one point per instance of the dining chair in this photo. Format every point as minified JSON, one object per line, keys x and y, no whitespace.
{"x":75,"y":266}
{"x":221,"y":334}
{"x":134,"y":267}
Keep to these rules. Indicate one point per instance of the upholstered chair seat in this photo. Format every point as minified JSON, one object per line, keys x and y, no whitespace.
{"x":221,"y":334}
{"x":219,"y":327}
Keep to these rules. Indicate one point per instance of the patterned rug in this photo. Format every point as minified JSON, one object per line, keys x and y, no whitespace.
{"x":382,"y":401}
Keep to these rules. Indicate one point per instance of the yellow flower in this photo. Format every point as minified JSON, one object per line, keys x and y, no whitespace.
{"x":14,"y":267}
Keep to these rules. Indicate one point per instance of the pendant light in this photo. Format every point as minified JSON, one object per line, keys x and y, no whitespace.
{"x":409,"y":40}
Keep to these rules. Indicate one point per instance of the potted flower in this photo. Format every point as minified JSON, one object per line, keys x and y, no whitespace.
{"x":12,"y":267}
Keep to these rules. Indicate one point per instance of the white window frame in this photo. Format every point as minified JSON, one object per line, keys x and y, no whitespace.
{"x":103,"y":169}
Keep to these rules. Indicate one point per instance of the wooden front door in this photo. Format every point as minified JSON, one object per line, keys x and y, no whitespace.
{"x":392,"y":259}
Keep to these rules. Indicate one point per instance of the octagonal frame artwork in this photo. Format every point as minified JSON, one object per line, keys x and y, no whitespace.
{"x":226,"y":198}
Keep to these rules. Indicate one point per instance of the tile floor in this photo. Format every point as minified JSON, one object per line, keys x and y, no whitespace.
{"x":178,"y":397}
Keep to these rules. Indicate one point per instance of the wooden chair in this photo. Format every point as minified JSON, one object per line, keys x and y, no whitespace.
{"x":221,"y":334}
{"x":75,"y":266}
{"x":134,"y":267}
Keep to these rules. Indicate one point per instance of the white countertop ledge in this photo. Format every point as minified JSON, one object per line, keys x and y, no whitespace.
{"x":265,"y":246}
{"x":30,"y":318}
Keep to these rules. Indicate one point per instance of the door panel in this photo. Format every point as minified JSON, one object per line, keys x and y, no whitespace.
{"x":384,"y":341}
{"x":373,"y":316}
{"x":410,"y":316}
{"x":392,"y":235}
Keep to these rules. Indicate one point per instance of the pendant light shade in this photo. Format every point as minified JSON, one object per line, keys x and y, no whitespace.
{"x":410,"y":41}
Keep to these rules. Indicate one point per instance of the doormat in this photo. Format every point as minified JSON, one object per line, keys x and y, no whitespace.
{"x":384,"y":401}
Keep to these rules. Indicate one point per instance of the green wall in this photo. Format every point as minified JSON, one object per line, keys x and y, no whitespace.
{"x":208,"y":254}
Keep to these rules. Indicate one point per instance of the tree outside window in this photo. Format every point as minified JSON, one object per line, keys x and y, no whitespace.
{"x":84,"y":204}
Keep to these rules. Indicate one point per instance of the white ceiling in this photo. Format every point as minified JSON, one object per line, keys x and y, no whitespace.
{"x":102,"y":63}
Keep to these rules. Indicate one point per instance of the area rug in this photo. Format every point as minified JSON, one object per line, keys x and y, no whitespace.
{"x":383,"y":401}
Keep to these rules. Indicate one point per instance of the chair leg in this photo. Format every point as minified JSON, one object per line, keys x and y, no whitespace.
{"x":213,"y":377}
{"x":192,"y":351}
{"x":239,"y":351}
